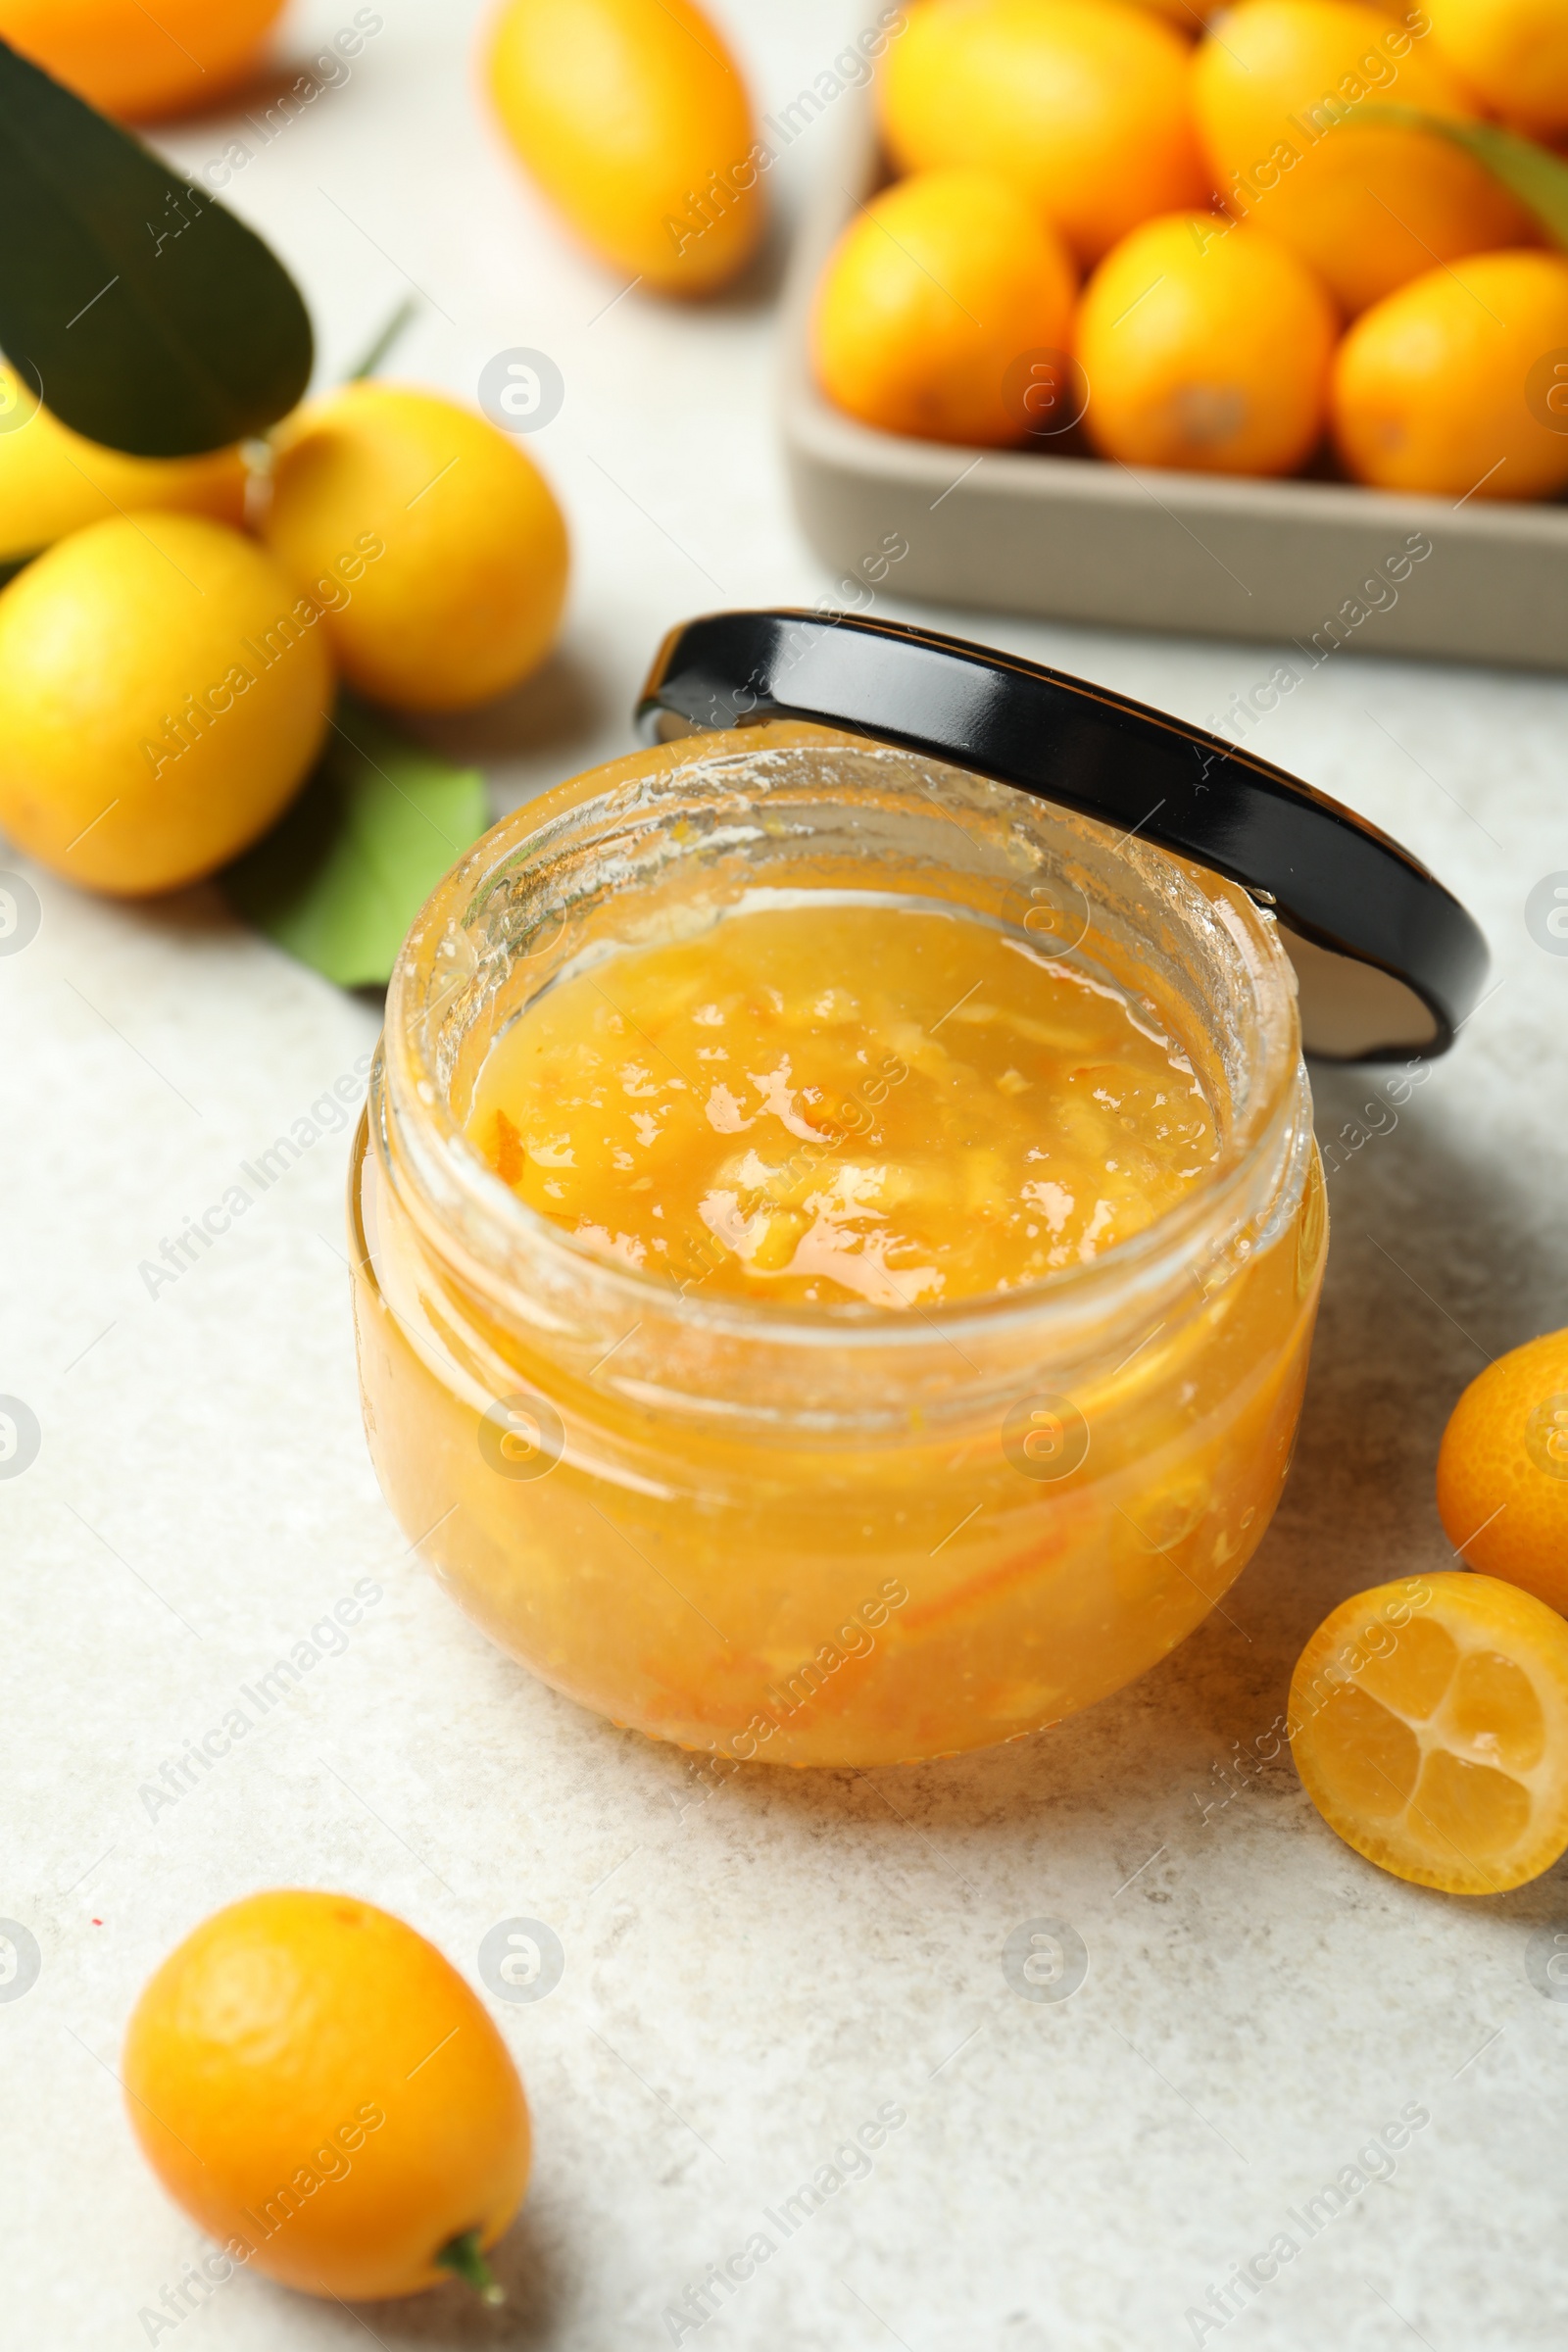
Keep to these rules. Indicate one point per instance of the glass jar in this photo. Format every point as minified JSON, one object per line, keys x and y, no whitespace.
{"x":832,"y":1535}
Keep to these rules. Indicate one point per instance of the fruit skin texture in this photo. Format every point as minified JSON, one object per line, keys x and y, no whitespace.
{"x":128,"y":61}
{"x":53,"y":482}
{"x":1205,"y":347}
{"x":1513,"y":53}
{"x":1370,"y":205}
{"x":1503,"y":1470}
{"x":112,"y":641}
{"x":257,"y":2060}
{"x":464,"y":598}
{"x":623,"y":111}
{"x":932,"y":291}
{"x":1189,"y":16}
{"x":1429,"y":1722}
{"x":1429,"y":386}
{"x":1082,"y":103}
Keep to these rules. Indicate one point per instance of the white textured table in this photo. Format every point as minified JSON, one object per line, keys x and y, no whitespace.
{"x":751,"y":1971}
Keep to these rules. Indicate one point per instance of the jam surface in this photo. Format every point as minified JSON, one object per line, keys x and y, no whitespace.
{"x":841,"y":1100}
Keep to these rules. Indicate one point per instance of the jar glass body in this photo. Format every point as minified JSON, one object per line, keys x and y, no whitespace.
{"x":839,"y":1535}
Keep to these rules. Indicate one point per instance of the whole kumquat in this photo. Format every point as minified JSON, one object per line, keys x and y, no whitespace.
{"x":932,"y":293}
{"x":1455,"y":383}
{"x":164,"y":691}
{"x":1503,"y":1470}
{"x":1206,"y":345}
{"x":141,"y":63}
{"x":1083,"y":104}
{"x":430,"y":540}
{"x":53,"y":482}
{"x":326,"y":2096}
{"x":1514,"y":51}
{"x":634,"y":121}
{"x":1287,"y":94}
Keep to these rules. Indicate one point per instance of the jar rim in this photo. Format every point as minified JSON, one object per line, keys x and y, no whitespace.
{"x":481,"y":1225}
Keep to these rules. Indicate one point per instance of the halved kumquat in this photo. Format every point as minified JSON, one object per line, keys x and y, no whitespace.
{"x":1429,"y":1721}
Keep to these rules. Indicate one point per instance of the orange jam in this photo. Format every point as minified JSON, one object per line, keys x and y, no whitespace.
{"x":837,"y":1100}
{"x":836,"y":1248}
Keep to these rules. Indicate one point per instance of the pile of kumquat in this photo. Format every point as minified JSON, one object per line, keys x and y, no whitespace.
{"x":1252,"y":246}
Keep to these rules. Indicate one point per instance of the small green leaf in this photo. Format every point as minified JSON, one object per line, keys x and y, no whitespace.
{"x":1537,"y":178}
{"x":340,"y":878}
{"x":147,"y":316}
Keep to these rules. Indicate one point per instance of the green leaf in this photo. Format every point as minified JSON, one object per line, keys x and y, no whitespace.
{"x":145,"y":314}
{"x":340,"y":878}
{"x":1537,"y":178}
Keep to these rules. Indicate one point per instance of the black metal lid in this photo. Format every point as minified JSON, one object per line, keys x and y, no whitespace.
{"x":1390,"y":963}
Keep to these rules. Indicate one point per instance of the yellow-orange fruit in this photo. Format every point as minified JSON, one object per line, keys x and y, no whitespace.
{"x":53,"y":482}
{"x":1082,"y":103}
{"x":932,"y":293}
{"x":164,"y":690}
{"x":1428,"y":1723}
{"x":1513,"y":53}
{"x":324,"y":2094}
{"x":1283,"y":91}
{"x":431,"y":540}
{"x":142,"y":63}
{"x":1206,"y":346}
{"x":1457,"y":385}
{"x":634,"y":119}
{"x":1503,"y":1470}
